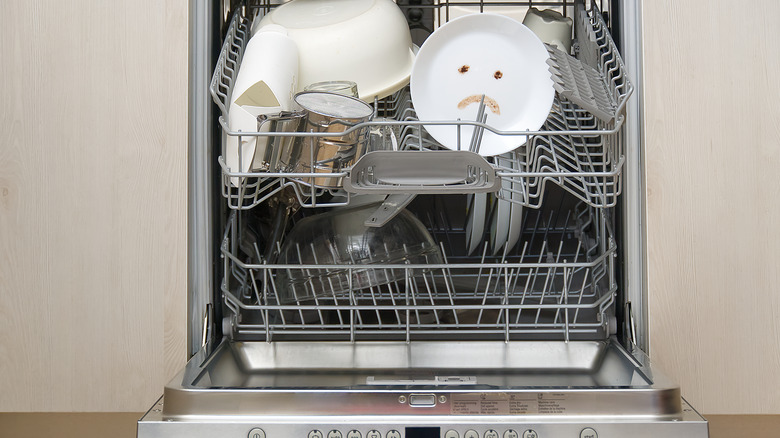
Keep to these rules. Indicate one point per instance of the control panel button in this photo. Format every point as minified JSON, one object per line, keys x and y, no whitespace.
{"x":256,"y":433}
{"x":373,"y":434}
{"x":451,"y":434}
{"x":471,"y":434}
{"x":354,"y":434}
{"x":490,"y":433}
{"x":511,"y":433}
{"x":589,"y":432}
{"x":315,"y":434}
{"x":334,"y":434}
{"x":530,"y":433}
{"x":393,"y":434}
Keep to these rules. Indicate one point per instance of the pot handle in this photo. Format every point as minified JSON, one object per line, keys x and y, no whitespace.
{"x":422,"y":172}
{"x":276,"y":118}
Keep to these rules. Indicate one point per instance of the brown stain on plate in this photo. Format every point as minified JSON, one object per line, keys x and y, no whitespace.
{"x":498,"y":74}
{"x":474,"y":98}
{"x":464,"y":69}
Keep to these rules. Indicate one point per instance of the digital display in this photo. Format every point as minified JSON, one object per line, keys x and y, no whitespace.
{"x":423,"y":432}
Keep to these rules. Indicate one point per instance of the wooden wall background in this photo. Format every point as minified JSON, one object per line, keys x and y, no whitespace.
{"x":93,"y":110}
{"x":93,"y":130}
{"x":712,"y":83}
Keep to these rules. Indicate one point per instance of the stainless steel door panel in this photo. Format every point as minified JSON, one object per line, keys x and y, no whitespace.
{"x":690,"y":425}
{"x":463,"y":378}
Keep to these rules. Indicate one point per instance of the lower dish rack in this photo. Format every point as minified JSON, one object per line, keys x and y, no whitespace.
{"x":557,"y":284}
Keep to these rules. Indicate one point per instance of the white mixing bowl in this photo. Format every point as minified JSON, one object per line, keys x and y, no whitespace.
{"x":363,"y":41}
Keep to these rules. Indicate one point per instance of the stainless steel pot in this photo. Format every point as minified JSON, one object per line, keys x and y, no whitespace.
{"x":325,"y":112}
{"x":284,"y":121}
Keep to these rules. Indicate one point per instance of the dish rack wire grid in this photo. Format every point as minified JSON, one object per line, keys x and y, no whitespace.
{"x":573,"y":150}
{"x":558,"y":283}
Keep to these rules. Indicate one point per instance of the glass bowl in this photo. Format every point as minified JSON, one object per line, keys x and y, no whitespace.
{"x":348,"y":255}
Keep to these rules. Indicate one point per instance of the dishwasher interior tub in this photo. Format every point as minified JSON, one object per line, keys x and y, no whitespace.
{"x":536,"y":341}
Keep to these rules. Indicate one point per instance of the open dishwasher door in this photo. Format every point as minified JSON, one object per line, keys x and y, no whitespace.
{"x":432,"y":389}
{"x":511,"y":324}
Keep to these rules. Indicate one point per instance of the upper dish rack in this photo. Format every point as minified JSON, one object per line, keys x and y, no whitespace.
{"x":579,"y":148}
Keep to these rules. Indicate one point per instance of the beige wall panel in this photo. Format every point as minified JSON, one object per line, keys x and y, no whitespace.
{"x":93,"y":110}
{"x":93,"y":201}
{"x":712,"y":83}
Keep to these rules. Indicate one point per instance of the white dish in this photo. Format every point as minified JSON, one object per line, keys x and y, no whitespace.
{"x":493,"y":219}
{"x":475,"y":224}
{"x":551,"y":27}
{"x":455,"y":9}
{"x":332,"y":43}
{"x":514,"y":190}
{"x":482,"y":54}
{"x":515,"y":222}
{"x":515,"y":208}
{"x":261,"y":88}
{"x":515,"y":227}
{"x":502,"y":218}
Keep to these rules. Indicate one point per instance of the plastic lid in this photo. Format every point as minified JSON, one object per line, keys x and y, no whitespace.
{"x":333,"y":105}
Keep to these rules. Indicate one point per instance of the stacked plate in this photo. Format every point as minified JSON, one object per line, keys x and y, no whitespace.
{"x":503,"y":224}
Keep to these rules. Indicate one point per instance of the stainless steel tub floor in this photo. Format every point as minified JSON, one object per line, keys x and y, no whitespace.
{"x":421,"y":378}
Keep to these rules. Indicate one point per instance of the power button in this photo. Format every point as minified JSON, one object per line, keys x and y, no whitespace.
{"x":256,"y":433}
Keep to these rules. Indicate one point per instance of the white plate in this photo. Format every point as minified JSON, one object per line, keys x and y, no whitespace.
{"x":515,"y":208}
{"x":482,"y":54}
{"x":475,"y":224}
{"x":515,"y":224}
{"x":456,"y":9}
{"x":502,"y":218}
{"x":261,"y":87}
{"x":493,"y":218}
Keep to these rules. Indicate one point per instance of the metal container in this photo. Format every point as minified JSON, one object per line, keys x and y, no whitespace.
{"x":326,"y":112}
{"x":282,"y":122}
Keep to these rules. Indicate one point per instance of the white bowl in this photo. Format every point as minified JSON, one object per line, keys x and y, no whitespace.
{"x":363,"y":41}
{"x":551,"y":27}
{"x":458,"y":8}
{"x":261,"y":87}
{"x":482,"y":54}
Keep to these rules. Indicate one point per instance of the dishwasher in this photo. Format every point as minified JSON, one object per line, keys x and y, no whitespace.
{"x":454,"y":339}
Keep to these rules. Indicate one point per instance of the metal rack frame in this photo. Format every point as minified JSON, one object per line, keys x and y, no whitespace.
{"x":561,"y":289}
{"x":560,"y":283}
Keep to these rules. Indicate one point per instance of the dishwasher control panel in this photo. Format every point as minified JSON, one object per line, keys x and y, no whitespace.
{"x":419,"y":432}
{"x":424,"y":432}
{"x":473,"y":431}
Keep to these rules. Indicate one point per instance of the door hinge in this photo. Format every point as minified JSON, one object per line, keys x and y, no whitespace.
{"x":206,"y":325}
{"x":630,"y":324}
